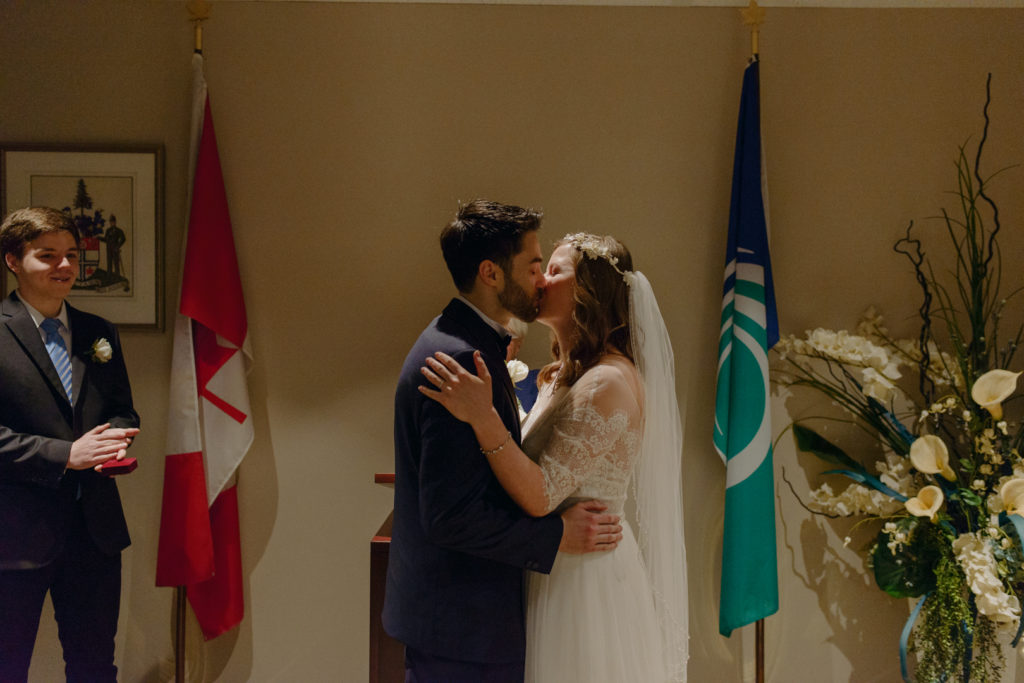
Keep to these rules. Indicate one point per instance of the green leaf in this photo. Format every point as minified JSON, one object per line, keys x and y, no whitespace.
{"x":966,"y":465}
{"x":910,"y":572}
{"x":969,"y":497}
{"x":810,"y":441}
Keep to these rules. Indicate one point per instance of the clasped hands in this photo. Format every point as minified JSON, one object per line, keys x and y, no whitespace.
{"x":100,"y":444}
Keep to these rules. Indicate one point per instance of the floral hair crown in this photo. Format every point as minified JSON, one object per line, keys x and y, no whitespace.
{"x":594,"y":248}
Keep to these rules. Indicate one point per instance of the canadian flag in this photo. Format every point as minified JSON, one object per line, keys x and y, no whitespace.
{"x":209,"y":426}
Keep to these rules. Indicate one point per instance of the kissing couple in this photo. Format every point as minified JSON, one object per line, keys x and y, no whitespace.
{"x":510,"y":556}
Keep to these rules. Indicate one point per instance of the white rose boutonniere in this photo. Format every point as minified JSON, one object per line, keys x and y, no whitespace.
{"x":102,"y":351}
{"x":517,"y":370}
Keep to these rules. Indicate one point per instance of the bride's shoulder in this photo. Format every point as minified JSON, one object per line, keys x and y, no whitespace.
{"x":614,"y":376}
{"x":615,"y":367}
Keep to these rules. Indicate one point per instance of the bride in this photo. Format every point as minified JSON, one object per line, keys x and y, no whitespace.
{"x":606,"y":413}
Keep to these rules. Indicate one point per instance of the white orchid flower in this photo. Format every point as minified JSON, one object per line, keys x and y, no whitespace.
{"x":1012,"y":493}
{"x":926,"y":503}
{"x":930,"y":455}
{"x":992,"y":388}
{"x":876,"y":385}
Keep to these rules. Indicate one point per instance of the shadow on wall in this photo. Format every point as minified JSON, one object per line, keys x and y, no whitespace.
{"x":855,"y":617}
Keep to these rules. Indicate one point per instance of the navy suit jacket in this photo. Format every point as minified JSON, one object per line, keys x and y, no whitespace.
{"x":37,"y":427}
{"x":459,"y":544}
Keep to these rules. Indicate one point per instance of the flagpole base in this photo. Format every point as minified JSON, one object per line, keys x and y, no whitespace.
{"x":180,"y":607}
{"x":759,"y":650}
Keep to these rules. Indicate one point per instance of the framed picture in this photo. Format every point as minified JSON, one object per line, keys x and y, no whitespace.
{"x":115,"y":197}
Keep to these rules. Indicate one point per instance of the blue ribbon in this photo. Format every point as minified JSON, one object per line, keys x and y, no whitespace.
{"x":893,"y":422}
{"x":905,"y":636}
{"x":871,"y":481}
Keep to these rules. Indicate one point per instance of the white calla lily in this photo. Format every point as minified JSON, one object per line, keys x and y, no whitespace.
{"x":992,"y":388}
{"x":926,"y":503}
{"x":1012,"y":494}
{"x":930,"y":455}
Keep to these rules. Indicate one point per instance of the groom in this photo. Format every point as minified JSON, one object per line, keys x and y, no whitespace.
{"x":459,"y":544}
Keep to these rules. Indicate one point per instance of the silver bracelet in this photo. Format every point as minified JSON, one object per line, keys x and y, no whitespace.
{"x":499,"y":448}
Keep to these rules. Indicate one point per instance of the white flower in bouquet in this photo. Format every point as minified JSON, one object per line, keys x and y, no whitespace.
{"x":926,"y":503}
{"x":857,"y":499}
{"x":1012,"y":495}
{"x":942,"y":367}
{"x":974,"y":556}
{"x":876,"y":385}
{"x":930,"y":455}
{"x":992,"y":388}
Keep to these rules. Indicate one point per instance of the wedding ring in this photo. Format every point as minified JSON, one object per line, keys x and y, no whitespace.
{"x":443,"y":383}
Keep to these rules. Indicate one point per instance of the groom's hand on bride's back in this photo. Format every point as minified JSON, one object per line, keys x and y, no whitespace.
{"x":587,"y":528}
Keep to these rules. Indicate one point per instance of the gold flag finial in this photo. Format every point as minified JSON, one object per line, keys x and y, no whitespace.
{"x":198,"y":12}
{"x":753,"y":16}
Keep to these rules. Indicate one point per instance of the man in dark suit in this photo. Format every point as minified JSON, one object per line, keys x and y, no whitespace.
{"x":65,"y":410}
{"x":459,"y":544}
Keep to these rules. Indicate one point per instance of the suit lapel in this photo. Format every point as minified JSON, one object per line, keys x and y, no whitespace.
{"x":20,"y":323}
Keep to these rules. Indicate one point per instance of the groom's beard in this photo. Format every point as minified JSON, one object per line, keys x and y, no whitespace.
{"x":516,"y":301}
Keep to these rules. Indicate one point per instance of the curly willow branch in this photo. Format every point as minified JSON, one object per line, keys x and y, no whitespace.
{"x":977,"y":174}
{"x":911,"y":248}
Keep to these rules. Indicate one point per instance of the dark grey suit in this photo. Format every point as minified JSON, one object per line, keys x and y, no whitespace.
{"x":58,"y":526}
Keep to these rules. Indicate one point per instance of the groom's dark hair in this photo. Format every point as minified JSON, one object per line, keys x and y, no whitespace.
{"x":484,"y":231}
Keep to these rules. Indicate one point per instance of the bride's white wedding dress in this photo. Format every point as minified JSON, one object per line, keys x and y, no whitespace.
{"x":593,"y":617}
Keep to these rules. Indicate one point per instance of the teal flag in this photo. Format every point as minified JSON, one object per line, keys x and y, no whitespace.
{"x":750,"y":583}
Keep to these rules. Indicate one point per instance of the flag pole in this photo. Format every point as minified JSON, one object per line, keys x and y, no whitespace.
{"x":754,"y":16}
{"x":198,"y":12}
{"x":179,"y":634}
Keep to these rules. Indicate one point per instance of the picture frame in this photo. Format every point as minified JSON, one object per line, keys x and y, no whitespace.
{"x":114,"y":193}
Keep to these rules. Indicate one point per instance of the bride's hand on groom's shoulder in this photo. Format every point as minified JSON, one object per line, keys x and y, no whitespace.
{"x":587,"y":528}
{"x":467,"y":396}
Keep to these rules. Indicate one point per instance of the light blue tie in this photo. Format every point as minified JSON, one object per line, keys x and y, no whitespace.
{"x":58,"y":352}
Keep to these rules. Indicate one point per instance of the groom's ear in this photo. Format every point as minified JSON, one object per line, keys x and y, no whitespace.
{"x":490,"y":274}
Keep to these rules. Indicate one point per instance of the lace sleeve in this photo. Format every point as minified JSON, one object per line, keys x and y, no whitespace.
{"x":587,"y":431}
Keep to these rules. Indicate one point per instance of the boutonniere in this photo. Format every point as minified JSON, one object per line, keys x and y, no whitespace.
{"x":102,"y":351}
{"x":517,"y":370}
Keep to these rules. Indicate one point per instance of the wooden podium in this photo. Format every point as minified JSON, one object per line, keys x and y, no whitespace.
{"x":387,"y":655}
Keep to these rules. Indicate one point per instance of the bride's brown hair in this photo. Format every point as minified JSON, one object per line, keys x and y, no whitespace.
{"x":601,"y":314}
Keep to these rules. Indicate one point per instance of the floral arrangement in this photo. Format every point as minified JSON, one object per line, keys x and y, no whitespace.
{"x":947,"y":494}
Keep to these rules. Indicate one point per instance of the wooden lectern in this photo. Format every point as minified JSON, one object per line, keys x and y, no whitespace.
{"x":387,"y":655}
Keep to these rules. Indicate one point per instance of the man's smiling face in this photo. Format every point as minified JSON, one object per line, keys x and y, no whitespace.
{"x":48,"y":267}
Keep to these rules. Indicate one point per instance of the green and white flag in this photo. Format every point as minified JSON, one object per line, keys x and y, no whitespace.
{"x":750,"y":585}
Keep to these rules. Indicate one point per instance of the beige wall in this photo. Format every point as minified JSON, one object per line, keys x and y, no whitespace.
{"x":348,"y":133}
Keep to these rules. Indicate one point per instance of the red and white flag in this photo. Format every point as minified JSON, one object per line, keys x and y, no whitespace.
{"x":209,"y":426}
